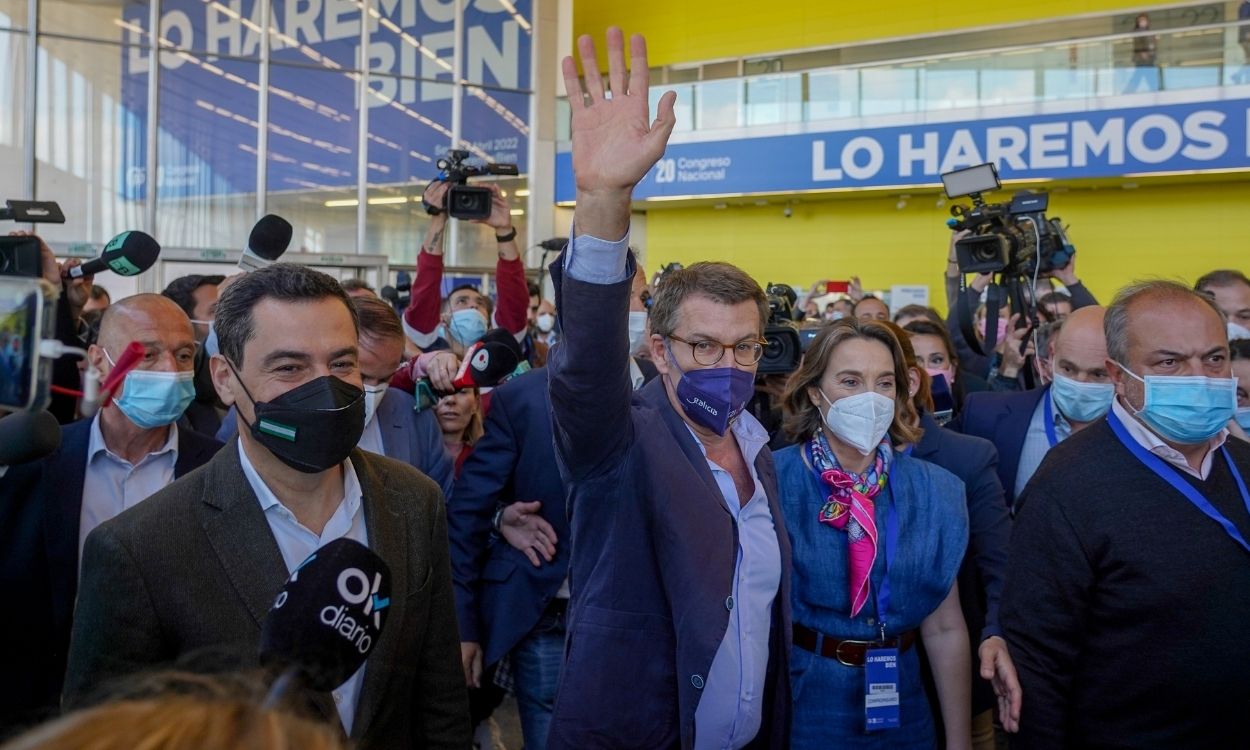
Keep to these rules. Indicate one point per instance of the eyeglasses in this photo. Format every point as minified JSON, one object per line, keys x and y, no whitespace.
{"x":707,"y":352}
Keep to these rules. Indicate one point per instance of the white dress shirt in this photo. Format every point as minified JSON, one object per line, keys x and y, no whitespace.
{"x":1147,"y":439}
{"x":296,"y":542}
{"x":113,"y":484}
{"x":371,"y":438}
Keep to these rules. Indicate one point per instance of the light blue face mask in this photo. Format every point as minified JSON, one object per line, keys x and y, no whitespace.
{"x":1081,"y":402}
{"x":210,"y":343}
{"x":1187,"y":409}
{"x":1243,"y":417}
{"x":467,"y":326}
{"x":154,"y":398}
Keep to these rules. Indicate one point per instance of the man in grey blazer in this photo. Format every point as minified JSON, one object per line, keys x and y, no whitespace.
{"x":192,"y":571}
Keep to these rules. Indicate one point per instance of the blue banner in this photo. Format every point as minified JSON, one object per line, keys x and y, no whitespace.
{"x":1104,"y":143}
{"x":209,"y":110}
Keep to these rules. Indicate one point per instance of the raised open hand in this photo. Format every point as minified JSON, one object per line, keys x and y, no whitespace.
{"x":614,"y":141}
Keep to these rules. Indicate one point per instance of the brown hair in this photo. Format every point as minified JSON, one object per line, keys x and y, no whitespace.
{"x":177,"y":722}
{"x":378,"y":320}
{"x":719,"y":282}
{"x":929,"y":328}
{"x":803,"y":418}
{"x":923,"y":399}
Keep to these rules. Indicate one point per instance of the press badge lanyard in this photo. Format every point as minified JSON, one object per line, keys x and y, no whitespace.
{"x":1172,"y":477}
{"x":1048,"y":421}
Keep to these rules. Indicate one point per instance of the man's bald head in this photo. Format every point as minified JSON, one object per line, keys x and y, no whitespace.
{"x":154,"y":321}
{"x":1079,"y":350}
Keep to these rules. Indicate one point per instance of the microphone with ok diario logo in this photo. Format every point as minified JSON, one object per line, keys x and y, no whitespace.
{"x":326,"y":620}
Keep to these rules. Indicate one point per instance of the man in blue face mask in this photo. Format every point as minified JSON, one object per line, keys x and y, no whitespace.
{"x":1128,"y":591}
{"x":105,"y":465}
{"x":1025,"y":425}
{"x":679,"y":565}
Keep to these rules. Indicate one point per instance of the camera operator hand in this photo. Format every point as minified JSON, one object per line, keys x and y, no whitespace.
{"x":614,"y":146}
{"x":76,"y":291}
{"x":500,"y":220}
{"x":855,"y":290}
{"x":435,"y":194}
{"x":1067,"y":274}
{"x":1009,"y":348}
{"x":952,"y":260}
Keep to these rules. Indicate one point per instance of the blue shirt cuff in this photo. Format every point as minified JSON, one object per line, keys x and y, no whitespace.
{"x":595,"y":261}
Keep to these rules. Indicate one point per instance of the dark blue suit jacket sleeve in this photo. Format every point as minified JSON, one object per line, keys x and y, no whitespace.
{"x":589,"y":370}
{"x":989,"y":522}
{"x":1081,"y":297}
{"x":483,"y":485}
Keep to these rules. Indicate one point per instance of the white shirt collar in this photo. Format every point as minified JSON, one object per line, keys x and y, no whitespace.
{"x":636,"y":378}
{"x":95,"y":444}
{"x":748,"y":431}
{"x":1146,"y":438}
{"x":352,"y":493}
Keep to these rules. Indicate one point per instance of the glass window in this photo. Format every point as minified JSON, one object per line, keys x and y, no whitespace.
{"x":12,"y":122}
{"x":683,"y":108}
{"x":719,"y":105}
{"x":319,"y":33}
{"x":311,"y":170}
{"x":494,"y":129}
{"x":497,"y":43}
{"x":90,"y":139}
{"x":206,"y":196}
{"x":832,"y":94}
{"x":888,"y":90}
{"x":950,"y":85}
{"x":402,"y":155}
{"x":12,"y":14}
{"x":772,"y":100}
{"x":122,"y":21}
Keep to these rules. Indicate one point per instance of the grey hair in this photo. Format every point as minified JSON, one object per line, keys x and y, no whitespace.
{"x":1115,"y":324}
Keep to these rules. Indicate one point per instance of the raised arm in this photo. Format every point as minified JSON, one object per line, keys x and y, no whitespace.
{"x":614,"y":146}
{"x":421,"y":318}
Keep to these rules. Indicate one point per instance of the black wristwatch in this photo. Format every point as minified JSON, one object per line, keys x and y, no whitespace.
{"x":510,"y":236}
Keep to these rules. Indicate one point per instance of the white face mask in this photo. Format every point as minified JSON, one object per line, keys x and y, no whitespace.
{"x":546,"y":322}
{"x":373,"y":397}
{"x":860,"y":421}
{"x":1236,"y":331}
{"x":637,"y":329}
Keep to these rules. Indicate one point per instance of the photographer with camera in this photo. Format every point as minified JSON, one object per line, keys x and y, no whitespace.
{"x":457,"y":322}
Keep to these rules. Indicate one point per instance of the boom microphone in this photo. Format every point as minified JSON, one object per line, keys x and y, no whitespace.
{"x":328,"y":616}
{"x":128,"y":254}
{"x":268,"y":241}
{"x":28,"y":436}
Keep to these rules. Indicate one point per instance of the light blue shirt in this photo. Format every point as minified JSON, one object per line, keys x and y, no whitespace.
{"x":113,"y":484}
{"x":1036,"y":444}
{"x":731,"y":707}
{"x":296,"y":542}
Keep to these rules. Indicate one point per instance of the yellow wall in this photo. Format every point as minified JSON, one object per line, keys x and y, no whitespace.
{"x":1174,"y":231}
{"x":697,"y":30}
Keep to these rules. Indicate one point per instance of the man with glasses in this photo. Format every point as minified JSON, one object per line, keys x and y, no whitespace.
{"x":678,"y":624}
{"x":105,"y":464}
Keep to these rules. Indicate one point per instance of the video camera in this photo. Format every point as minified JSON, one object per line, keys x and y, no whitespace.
{"x":1014,"y":239}
{"x":463,"y":201}
{"x":26,"y":310}
{"x":783,"y":350}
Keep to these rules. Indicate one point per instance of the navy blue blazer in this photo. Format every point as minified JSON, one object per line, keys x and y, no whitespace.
{"x":975,"y":461}
{"x":40,"y":507}
{"x":1001,"y":417}
{"x":407,"y":435}
{"x":654,"y":546}
{"x":500,"y":595}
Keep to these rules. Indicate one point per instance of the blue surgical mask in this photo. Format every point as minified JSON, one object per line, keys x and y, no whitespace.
{"x":1081,"y":402}
{"x":467,"y":326}
{"x":210,"y":344}
{"x":1187,"y":409}
{"x":1236,"y":331}
{"x":1243,"y":417}
{"x":713,"y":397}
{"x":154,"y":398}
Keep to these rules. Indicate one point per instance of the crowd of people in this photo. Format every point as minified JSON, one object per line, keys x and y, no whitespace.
{"x":1031,"y":528}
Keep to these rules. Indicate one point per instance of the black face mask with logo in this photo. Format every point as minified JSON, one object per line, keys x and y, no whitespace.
{"x":313,"y":427}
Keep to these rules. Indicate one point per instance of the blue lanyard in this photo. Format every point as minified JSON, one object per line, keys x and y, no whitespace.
{"x":1172,"y":477}
{"x":1048,"y":421}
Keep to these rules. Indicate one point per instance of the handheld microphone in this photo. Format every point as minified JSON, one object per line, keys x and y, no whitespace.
{"x":128,"y":254}
{"x":327,"y":618}
{"x":555,"y":244}
{"x":28,"y":436}
{"x":943,"y":399}
{"x":268,"y":241}
{"x":485,"y":365}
